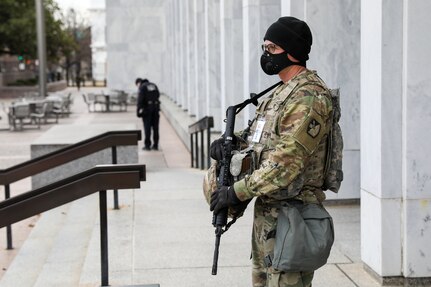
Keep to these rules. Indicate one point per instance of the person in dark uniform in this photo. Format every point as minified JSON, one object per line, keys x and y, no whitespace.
{"x":148,"y":108}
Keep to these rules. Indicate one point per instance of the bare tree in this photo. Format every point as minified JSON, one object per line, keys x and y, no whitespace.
{"x":78,"y":62}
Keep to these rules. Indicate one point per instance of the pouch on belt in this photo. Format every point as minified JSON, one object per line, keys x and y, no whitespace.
{"x":304,"y":237}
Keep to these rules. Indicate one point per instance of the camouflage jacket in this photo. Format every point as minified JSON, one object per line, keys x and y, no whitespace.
{"x":288,"y":135}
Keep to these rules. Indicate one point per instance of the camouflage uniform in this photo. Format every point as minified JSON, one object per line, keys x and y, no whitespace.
{"x":289,"y":137}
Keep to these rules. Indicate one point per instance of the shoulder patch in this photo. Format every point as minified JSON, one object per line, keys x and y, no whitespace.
{"x":313,"y":128}
{"x":311,"y":132}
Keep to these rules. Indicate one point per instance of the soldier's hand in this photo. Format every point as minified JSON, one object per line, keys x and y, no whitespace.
{"x":238,"y":210}
{"x":216,"y":149}
{"x":223,"y":197}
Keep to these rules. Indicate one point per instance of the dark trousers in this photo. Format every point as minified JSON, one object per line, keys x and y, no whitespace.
{"x":151,"y":121}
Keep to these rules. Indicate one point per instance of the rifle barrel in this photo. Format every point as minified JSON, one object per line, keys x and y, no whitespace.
{"x":218,"y":233}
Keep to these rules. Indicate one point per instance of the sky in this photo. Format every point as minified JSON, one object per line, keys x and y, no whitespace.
{"x":80,"y":5}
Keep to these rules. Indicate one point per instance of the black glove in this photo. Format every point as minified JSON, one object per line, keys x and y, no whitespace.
{"x":216,"y":149}
{"x":223,"y":197}
{"x":238,"y":209}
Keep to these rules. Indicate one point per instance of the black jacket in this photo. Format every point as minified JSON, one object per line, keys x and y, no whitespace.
{"x":148,"y":99}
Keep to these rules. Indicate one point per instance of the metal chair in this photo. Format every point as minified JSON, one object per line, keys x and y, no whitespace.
{"x":18,"y":113}
{"x":89,"y":100}
{"x":39,"y":115}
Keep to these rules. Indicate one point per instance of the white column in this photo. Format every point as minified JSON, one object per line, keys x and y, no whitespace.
{"x":258,"y":16}
{"x":200,"y":54}
{"x":186,"y":70}
{"x":286,"y":7}
{"x":192,"y":70}
{"x":395,"y":154}
{"x":231,"y":57}
{"x":297,"y":8}
{"x":174,"y":67}
{"x":141,"y":51}
{"x":180,"y":75}
{"x":214,"y":63}
{"x":335,"y":54}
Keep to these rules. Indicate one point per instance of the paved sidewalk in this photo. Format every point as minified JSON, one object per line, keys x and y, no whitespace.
{"x":163,"y":234}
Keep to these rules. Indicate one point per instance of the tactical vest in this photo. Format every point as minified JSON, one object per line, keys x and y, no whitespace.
{"x":324,"y":168}
{"x":312,"y":178}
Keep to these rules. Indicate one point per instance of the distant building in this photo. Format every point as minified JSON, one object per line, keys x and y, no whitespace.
{"x":97,"y":20}
{"x":13,"y":69}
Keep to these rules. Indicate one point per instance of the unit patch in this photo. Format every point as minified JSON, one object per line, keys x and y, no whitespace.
{"x":313,"y":128}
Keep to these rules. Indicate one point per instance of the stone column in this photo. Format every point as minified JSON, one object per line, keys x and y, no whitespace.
{"x":140,"y":51}
{"x":231,"y":57}
{"x":179,"y":60}
{"x":174,"y":40}
{"x":286,"y":7}
{"x":186,"y":55}
{"x":335,"y":54}
{"x":258,"y":16}
{"x":213,"y":62}
{"x":200,"y":57}
{"x":395,"y":153}
{"x":192,"y":58}
{"x":184,"y":50}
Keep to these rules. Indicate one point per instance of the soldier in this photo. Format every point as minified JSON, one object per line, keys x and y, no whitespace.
{"x":289,"y":138}
{"x":148,"y":107}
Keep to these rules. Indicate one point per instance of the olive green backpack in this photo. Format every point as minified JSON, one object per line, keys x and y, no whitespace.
{"x":334,"y":156}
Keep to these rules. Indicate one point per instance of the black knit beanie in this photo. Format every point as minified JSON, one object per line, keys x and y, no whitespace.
{"x":293,"y":35}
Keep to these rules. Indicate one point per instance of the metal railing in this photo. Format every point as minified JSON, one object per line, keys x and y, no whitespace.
{"x":97,"y":179}
{"x":72,"y":152}
{"x":197,"y":146}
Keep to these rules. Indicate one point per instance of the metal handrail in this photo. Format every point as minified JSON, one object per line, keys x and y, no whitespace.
{"x":69,"y":153}
{"x":64,"y":155}
{"x":97,"y":179}
{"x":198,"y":150}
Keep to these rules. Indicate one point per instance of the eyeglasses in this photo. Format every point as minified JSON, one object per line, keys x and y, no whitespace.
{"x":271,"y":48}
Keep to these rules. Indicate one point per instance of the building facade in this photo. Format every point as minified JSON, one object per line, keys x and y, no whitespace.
{"x":204,"y":55}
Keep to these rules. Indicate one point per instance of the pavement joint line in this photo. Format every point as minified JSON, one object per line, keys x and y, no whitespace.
{"x":193,"y":267}
{"x":345,"y":274}
{"x":351,"y":261}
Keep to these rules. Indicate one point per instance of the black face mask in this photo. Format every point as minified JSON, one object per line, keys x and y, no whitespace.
{"x":272,"y":64}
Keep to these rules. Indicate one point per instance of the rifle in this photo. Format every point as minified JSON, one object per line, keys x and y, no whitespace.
{"x":219,"y":220}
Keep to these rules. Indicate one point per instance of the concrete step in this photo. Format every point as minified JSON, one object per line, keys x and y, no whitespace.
{"x":27,"y":265}
{"x":64,"y":263}
{"x":120,"y":244}
{"x":54,"y":252}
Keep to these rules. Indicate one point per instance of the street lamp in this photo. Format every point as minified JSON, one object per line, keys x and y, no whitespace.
{"x":41,"y":46}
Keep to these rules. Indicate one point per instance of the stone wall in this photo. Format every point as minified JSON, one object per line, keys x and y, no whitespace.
{"x":19,"y":91}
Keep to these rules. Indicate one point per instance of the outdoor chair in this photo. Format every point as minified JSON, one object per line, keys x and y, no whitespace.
{"x":89,"y":100}
{"x":62,"y":106}
{"x":101,"y":100}
{"x":132,"y":98}
{"x":51,"y":111}
{"x":18,"y":113}
{"x":37,"y":116}
{"x":119,"y":99}
{"x":68,"y":103}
